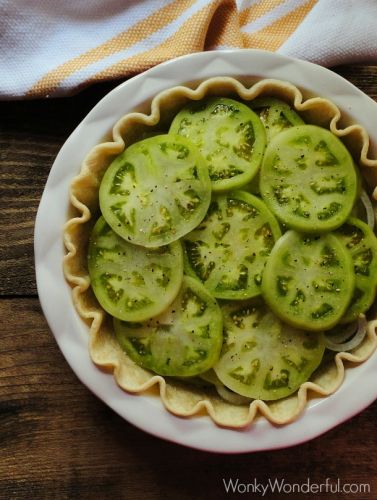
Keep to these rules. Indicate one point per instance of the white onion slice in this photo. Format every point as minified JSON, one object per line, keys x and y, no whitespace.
{"x":231,"y":397}
{"x":346,"y":332}
{"x":353,"y":342}
{"x":368,"y":209}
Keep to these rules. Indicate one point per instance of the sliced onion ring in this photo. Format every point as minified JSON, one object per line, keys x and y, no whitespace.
{"x":231,"y":397}
{"x":346,"y":332}
{"x":350,"y":344}
{"x":368,"y":208}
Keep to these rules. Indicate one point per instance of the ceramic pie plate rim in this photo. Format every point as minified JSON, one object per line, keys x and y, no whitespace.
{"x":146,"y":411}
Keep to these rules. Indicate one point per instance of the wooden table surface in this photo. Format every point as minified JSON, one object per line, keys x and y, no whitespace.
{"x":57,"y":440}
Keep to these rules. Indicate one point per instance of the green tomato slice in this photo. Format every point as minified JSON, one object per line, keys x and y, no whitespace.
{"x":263,"y":358}
{"x":308,"y":280}
{"x":276,"y":115}
{"x":185,"y":340}
{"x":156,"y":191}
{"x":229,"y":249}
{"x":230,"y":136}
{"x":131,"y":282}
{"x":361,"y":242}
{"x":308,"y":179}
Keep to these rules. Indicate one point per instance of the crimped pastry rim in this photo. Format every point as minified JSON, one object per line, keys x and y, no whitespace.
{"x":90,"y":173}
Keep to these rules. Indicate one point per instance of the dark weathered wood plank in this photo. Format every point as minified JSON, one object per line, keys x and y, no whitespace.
{"x":364,"y":77}
{"x":24,"y":169}
{"x":59,"y":441}
{"x":31,"y":134}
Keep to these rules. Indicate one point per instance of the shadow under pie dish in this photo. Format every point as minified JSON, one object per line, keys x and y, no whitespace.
{"x":188,"y":398}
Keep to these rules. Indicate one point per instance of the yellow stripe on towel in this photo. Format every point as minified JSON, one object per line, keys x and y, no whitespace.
{"x":127,"y":38}
{"x":179,"y":27}
{"x":255,"y":11}
{"x":191,"y":36}
{"x":275,"y":34}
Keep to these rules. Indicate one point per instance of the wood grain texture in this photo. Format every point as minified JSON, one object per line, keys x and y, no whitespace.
{"x":31,"y":134}
{"x":57,"y":440}
{"x":364,"y":77}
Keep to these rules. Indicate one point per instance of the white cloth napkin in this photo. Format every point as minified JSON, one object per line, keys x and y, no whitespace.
{"x":56,"y":47}
{"x":336,"y":32}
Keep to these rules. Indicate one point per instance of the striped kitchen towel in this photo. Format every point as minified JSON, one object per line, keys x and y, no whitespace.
{"x":56,"y":47}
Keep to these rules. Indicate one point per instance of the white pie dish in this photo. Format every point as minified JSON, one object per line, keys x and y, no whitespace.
{"x":147,"y":412}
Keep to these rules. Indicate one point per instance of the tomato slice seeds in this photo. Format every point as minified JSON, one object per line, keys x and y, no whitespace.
{"x":308,"y":280}
{"x":262,"y":358}
{"x":185,"y":340}
{"x":131,"y":282}
{"x":361,"y":242}
{"x":156,"y":191}
{"x":230,"y":136}
{"x":229,"y":248}
{"x":276,"y":115}
{"x":196,"y":272}
{"x":308,"y":179}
